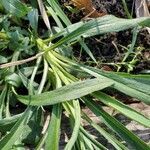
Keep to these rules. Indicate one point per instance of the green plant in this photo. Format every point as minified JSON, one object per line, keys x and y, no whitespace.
{"x":53,"y":79}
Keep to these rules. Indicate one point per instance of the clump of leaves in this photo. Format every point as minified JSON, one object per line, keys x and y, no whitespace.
{"x":42,"y":72}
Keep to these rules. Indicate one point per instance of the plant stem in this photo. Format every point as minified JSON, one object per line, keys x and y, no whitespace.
{"x":134,"y":38}
{"x":126,"y":9}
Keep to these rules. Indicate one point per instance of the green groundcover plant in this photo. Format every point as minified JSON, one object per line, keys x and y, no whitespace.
{"x":38,"y":74}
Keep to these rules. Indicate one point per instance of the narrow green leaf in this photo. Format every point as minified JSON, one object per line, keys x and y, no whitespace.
{"x":53,"y":132}
{"x":87,"y":50}
{"x":111,"y":139}
{"x":75,"y":132}
{"x":117,"y":127}
{"x":60,"y":13}
{"x":138,"y":85}
{"x":41,"y":142}
{"x":125,"y":86}
{"x":140,"y":78}
{"x":90,"y":137}
{"x":85,"y":143}
{"x":44,"y":14}
{"x":7,"y":123}
{"x":2,"y":100}
{"x":55,"y":17}
{"x":97,"y":26}
{"x":15,"y":7}
{"x":66,"y":93}
{"x":124,"y":109}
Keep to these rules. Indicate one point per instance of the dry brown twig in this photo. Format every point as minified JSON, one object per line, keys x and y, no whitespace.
{"x":20,"y":62}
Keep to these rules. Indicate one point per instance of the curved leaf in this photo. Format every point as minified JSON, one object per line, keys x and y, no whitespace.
{"x":101,"y":25}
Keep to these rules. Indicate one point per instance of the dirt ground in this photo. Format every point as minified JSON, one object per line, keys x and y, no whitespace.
{"x":141,"y":131}
{"x":103,"y":47}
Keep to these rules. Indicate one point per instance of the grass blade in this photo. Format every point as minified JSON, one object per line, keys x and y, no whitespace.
{"x":125,"y":86}
{"x":52,"y":140}
{"x":75,"y":132}
{"x":44,"y":14}
{"x":117,"y":127}
{"x":60,"y":13}
{"x":98,"y":26}
{"x":124,"y":109}
{"x":118,"y":145}
{"x":69,"y":92}
{"x":95,"y":142}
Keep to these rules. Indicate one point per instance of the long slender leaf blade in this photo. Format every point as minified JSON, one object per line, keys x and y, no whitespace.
{"x":118,"y":145}
{"x":2,"y":99}
{"x":131,"y":82}
{"x":124,"y":109}
{"x":140,"y":78}
{"x":53,"y":132}
{"x":44,"y":14}
{"x":52,"y":140}
{"x":117,"y":127}
{"x":76,"y":128}
{"x":120,"y":86}
{"x":87,"y":50}
{"x":94,"y":141}
{"x":60,"y":13}
{"x":69,"y":92}
{"x":97,"y":26}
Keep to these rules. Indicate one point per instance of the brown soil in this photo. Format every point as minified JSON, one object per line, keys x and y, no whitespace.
{"x":103,"y":47}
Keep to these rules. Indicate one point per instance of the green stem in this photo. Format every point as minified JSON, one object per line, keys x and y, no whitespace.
{"x":134,"y":38}
{"x":31,"y":90}
{"x":95,"y":142}
{"x":126,"y":9}
{"x":44,"y":77}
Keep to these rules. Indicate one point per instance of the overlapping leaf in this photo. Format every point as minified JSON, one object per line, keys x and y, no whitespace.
{"x":15,"y":7}
{"x":69,"y":92}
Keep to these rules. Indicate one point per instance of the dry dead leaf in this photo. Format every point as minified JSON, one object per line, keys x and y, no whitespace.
{"x":141,"y":9}
{"x":88,"y":8}
{"x":44,"y":14}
